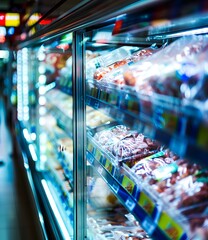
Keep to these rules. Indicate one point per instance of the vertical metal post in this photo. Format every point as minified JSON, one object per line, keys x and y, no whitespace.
{"x":79,"y":136}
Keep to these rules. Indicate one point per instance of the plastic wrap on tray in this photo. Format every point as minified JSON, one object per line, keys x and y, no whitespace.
{"x":96,"y":118}
{"x":127,"y":146}
{"x":172,"y":71}
{"x":114,"y":72}
{"x":106,"y":60}
{"x":189,"y":191}
{"x":152,"y":166}
{"x":170,"y":175}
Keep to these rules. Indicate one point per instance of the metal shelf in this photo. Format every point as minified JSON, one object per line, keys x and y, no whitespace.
{"x":146,"y":209}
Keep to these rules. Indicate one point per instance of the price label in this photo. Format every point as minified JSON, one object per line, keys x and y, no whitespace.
{"x":113,"y":99}
{"x":170,"y":227}
{"x":128,"y":184}
{"x":130,"y":204}
{"x":115,"y":187}
{"x":98,"y":155}
{"x":108,"y":166}
{"x":90,"y":147}
{"x":146,"y":203}
{"x":103,"y":96}
{"x":96,"y":104}
{"x":90,"y":160}
{"x":148,"y":225}
{"x":133,"y":105}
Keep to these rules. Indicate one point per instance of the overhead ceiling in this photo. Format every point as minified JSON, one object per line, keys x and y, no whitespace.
{"x":14,"y":5}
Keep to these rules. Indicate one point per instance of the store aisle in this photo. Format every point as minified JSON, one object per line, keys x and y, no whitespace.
{"x":17,"y":218}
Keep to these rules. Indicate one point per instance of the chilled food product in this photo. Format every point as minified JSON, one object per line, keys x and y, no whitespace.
{"x":114,"y":224}
{"x":170,"y":175}
{"x":175,"y":70}
{"x":100,"y":195}
{"x":127,"y":146}
{"x":105,"y":60}
{"x":114,"y":72}
{"x":96,"y":118}
{"x":158,"y":165}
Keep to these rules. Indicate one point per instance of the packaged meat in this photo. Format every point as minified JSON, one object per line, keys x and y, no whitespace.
{"x":173,"y":71}
{"x":172,"y":174}
{"x":127,"y":146}
{"x":114,"y":72}
{"x":105,"y":60}
{"x":152,"y":166}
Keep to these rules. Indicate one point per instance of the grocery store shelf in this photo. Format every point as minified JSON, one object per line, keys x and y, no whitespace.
{"x":146,"y":208}
{"x":179,"y":124}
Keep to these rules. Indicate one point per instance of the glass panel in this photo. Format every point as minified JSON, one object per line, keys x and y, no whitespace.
{"x":108,"y":203}
{"x":54,"y":133}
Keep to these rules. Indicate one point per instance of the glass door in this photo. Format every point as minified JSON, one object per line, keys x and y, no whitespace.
{"x":55,"y":129}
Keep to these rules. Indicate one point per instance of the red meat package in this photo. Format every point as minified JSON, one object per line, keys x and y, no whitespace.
{"x":173,"y":71}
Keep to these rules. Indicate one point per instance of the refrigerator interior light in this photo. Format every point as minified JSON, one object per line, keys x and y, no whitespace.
{"x":41,"y":56}
{"x":185,"y":33}
{"x":55,"y":210}
{"x":43,"y":138}
{"x":32,"y":152}
{"x":43,"y":158}
{"x":42,"y":79}
{"x":42,"y":90}
{"x":41,"y":69}
{"x":42,"y":100}
{"x":42,"y":111}
{"x":33,"y":136}
{"x":42,"y":121}
{"x":26,"y":135}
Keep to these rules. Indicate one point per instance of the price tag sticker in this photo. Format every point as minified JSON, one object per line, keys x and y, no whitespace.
{"x":108,"y":166}
{"x":146,"y":203}
{"x":115,"y":187}
{"x":170,"y":227}
{"x":148,"y":225}
{"x":98,"y":155}
{"x":90,"y":147}
{"x":130,"y":204}
{"x":113,"y":98}
{"x":96,"y":104}
{"x":90,"y":159}
{"x":128,"y":184}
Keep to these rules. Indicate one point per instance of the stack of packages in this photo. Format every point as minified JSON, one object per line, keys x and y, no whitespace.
{"x":178,"y":182}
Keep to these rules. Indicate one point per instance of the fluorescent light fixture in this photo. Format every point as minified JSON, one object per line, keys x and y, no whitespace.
{"x":33,"y":136}
{"x":42,"y":111}
{"x":42,"y":79}
{"x":42,"y":121}
{"x":42,"y":100}
{"x":55,"y":210}
{"x":33,"y":153}
{"x":26,"y":135}
{"x":42,"y":90}
{"x":184,"y":33}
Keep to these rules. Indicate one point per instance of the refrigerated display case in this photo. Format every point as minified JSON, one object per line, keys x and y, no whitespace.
{"x":121,"y":120}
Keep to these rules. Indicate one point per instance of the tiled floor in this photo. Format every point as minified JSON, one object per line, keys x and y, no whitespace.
{"x":17,"y":218}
